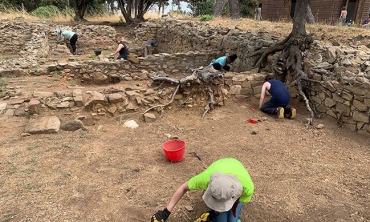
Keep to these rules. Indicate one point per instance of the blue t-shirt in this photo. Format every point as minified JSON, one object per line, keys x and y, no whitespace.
{"x":67,"y":34}
{"x":221,"y":60}
{"x":279,"y":93}
{"x":150,"y":42}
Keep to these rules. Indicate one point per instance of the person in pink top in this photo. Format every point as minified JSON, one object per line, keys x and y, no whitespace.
{"x":343,"y":16}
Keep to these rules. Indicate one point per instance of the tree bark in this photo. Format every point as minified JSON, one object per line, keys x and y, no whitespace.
{"x":234,"y":9}
{"x":219,"y":8}
{"x":125,"y":7}
{"x":140,"y":7}
{"x":309,"y":16}
{"x":299,"y":20}
{"x":80,"y":9}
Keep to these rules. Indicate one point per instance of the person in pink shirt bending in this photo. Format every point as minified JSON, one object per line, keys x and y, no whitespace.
{"x":343,"y":16}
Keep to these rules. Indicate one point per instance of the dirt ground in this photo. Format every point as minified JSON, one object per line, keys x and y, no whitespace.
{"x":115,"y":173}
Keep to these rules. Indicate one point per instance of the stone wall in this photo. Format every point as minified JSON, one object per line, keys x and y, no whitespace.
{"x":173,"y":36}
{"x":339,"y":74}
{"x":105,"y":71}
{"x":37,"y":39}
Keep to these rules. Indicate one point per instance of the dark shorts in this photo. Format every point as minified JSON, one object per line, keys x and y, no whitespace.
{"x":122,"y":56}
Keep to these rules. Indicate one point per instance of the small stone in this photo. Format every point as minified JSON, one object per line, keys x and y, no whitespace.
{"x":253,"y":132}
{"x":152,"y":203}
{"x":320,"y":126}
{"x":25,"y":134}
{"x":189,"y":208}
{"x":149,"y":117}
{"x":80,"y":132}
{"x":131,"y":124}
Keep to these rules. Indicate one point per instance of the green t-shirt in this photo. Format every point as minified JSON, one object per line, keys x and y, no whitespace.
{"x":227,"y":166}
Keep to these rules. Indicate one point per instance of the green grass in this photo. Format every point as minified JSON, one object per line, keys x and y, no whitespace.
{"x":66,"y":174}
{"x":8,"y":217}
{"x":32,"y":186}
{"x":29,"y":170}
{"x":70,"y":146}
{"x":32,"y":146}
{"x":206,"y":17}
{"x":32,"y":161}
{"x":3,"y":82}
{"x":73,"y":82}
{"x":11,"y":170}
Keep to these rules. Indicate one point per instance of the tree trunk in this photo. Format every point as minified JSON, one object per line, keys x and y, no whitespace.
{"x":80,"y":9}
{"x":159,"y":8}
{"x":291,"y":59}
{"x":136,"y":5}
{"x":234,"y":9}
{"x":219,"y":7}
{"x":112,"y":8}
{"x":299,"y":20}
{"x":125,"y":7}
{"x":142,"y":7}
{"x":309,"y":16}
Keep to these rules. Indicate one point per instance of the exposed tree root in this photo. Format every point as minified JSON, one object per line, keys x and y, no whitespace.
{"x":310,"y":121}
{"x":290,"y":61}
{"x":162,"y":106}
{"x":206,"y":77}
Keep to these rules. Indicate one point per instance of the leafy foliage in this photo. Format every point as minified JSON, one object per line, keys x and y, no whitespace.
{"x":206,"y":17}
{"x":247,"y":7}
{"x":201,"y":7}
{"x":97,"y":9}
{"x":48,"y":11}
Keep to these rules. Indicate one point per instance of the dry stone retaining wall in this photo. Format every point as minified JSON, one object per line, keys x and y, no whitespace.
{"x":341,"y":73}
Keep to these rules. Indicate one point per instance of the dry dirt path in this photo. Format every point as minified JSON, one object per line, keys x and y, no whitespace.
{"x":119,"y":174}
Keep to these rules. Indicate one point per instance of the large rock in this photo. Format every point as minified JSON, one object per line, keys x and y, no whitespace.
{"x":73,"y":125}
{"x":34,"y":106}
{"x":95,"y":98}
{"x":47,"y":124}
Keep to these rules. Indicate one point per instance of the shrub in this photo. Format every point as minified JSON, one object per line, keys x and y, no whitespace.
{"x":206,"y":17}
{"x":48,"y":11}
{"x":203,"y":7}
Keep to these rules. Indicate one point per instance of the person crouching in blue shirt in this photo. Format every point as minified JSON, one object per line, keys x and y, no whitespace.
{"x":224,"y":60}
{"x":280,"y":98}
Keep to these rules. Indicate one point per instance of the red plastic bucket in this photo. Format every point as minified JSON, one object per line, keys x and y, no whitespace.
{"x":174,"y":150}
